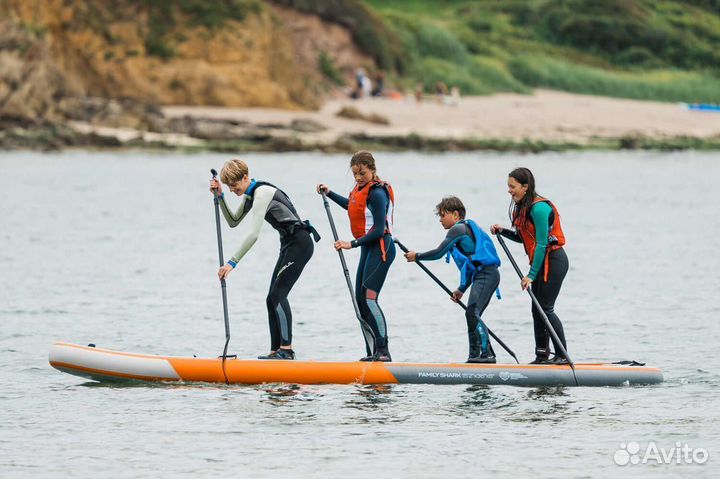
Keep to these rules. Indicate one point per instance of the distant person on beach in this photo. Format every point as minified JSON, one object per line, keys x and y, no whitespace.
{"x":370,"y":208}
{"x":419,"y":90}
{"x":441,"y":91}
{"x":454,"y":96}
{"x":536,"y":224}
{"x":475,"y":256}
{"x":378,"y":90}
{"x":366,"y":87}
{"x":260,"y":201}
{"x":363,"y":85}
{"x":359,"y":76}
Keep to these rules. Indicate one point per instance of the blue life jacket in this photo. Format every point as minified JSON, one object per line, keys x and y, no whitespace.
{"x":485,"y":254}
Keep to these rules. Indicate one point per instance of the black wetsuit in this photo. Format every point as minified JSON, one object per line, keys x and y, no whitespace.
{"x":372,"y":270}
{"x":265,"y":202}
{"x":295,"y":251}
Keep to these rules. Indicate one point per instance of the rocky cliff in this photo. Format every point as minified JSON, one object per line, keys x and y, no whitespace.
{"x":58,"y":56}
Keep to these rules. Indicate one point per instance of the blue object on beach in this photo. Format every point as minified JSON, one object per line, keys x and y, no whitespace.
{"x":703,"y":107}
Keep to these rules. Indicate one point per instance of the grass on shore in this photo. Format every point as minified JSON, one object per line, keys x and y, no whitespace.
{"x":664,"y":50}
{"x":660,"y":85}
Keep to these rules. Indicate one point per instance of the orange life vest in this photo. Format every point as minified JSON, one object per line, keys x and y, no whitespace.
{"x":361,"y":218}
{"x":526,"y":229}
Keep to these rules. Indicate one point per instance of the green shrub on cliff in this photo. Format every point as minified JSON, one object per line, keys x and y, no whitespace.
{"x":328,"y":69}
{"x":663,"y":85}
{"x":671,"y":33}
{"x":421,"y":38}
{"x":369,"y":31}
{"x":163,"y":15}
{"x":213,"y":14}
{"x":480,"y":76}
{"x":651,"y":49}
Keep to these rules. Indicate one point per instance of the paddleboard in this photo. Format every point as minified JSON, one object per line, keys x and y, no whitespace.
{"x":107,"y":365}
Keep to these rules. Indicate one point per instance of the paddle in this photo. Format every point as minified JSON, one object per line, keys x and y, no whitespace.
{"x":216,"y":200}
{"x":462,"y":305}
{"x":367,"y":332}
{"x":537,"y":306}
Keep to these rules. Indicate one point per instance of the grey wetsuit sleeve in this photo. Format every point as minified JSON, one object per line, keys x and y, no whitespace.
{"x":453,"y":235}
{"x":261,"y":202}
{"x":233,"y":219}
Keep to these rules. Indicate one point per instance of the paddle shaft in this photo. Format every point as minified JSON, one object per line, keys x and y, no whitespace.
{"x":537,"y":306}
{"x":216,"y":200}
{"x":462,"y":305}
{"x":346,"y":272}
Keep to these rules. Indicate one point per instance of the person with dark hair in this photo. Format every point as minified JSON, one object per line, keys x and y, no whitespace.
{"x":370,"y":208}
{"x":536,"y":224}
{"x":475,"y":256}
{"x":379,"y":87}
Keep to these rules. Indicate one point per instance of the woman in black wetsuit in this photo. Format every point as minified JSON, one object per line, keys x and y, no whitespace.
{"x":370,"y":208}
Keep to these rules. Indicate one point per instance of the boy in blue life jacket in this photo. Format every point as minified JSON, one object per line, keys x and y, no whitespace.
{"x":476,"y":258}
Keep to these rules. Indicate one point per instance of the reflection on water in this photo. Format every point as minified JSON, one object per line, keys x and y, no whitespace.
{"x":377,"y":404}
{"x":371,"y":397}
{"x":281,"y":394}
{"x":478,"y":397}
{"x":125,"y":383}
{"x":543,"y":393}
{"x":544,"y":404}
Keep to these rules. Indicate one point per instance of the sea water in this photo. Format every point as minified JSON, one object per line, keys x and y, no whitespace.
{"x":119,"y":249}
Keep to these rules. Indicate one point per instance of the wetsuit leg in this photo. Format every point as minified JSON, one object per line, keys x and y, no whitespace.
{"x":546,"y":294}
{"x":368,"y":334}
{"x":295,"y":252}
{"x":273,"y":322}
{"x":485,"y":282}
{"x":373,"y":278}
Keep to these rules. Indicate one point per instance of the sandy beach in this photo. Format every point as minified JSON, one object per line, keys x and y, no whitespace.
{"x":545,"y":115}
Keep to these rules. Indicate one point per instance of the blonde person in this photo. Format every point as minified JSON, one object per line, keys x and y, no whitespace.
{"x":370,"y":209}
{"x":261,"y":201}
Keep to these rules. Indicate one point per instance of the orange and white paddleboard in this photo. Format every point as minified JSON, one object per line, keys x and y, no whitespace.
{"x":107,"y":365}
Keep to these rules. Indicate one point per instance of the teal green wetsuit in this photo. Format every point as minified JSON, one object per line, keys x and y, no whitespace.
{"x":540,"y":215}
